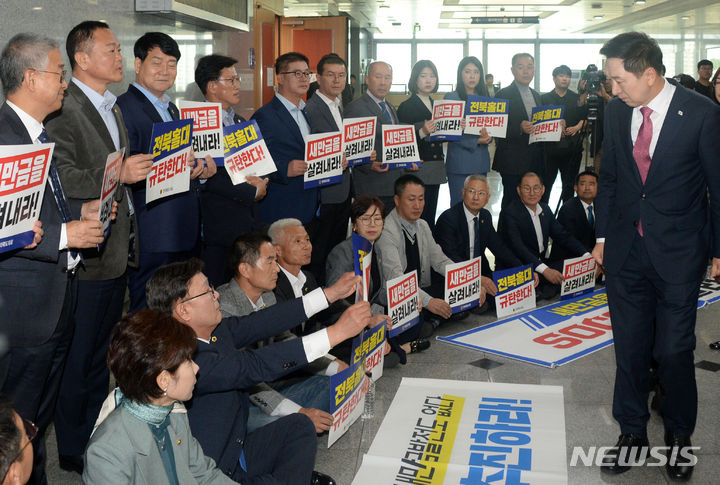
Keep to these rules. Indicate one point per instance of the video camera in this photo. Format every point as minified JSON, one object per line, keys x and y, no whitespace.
{"x":593,"y":83}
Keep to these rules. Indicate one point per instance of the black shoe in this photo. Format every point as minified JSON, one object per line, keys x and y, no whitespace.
{"x":679,"y":466}
{"x":321,"y":479}
{"x":428,"y":326}
{"x":72,"y":463}
{"x":715,"y":345}
{"x":391,"y":360}
{"x":456,"y":317}
{"x":628,"y":448}
{"x":479,"y":310}
{"x":419,"y":345}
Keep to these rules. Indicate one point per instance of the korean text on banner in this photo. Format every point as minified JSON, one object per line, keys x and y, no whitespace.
{"x":403,"y":296}
{"x":362,"y":256}
{"x":546,"y":121}
{"x":207,"y":128}
{"x":578,"y":276}
{"x":359,"y":139}
{"x":23,"y":174}
{"x":488,"y":113}
{"x":111,"y":181}
{"x":246,"y":152}
{"x":170,"y":172}
{"x":516,"y":290}
{"x":400,"y":148}
{"x":323,"y":155}
{"x":462,"y":284}
{"x":447,"y":115}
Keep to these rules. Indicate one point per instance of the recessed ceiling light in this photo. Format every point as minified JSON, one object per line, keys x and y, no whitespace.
{"x":598,"y":17}
{"x":37,"y":8}
{"x":639,"y":2}
{"x":384,"y":6}
{"x":685,"y":17}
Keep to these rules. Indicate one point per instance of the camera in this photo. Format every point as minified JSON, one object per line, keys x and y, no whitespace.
{"x":593,"y":83}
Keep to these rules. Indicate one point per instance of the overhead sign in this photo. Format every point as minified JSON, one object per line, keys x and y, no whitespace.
{"x":505,"y":20}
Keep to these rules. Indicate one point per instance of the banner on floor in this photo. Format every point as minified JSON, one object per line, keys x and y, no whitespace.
{"x":403,"y":296}
{"x":578,"y":277}
{"x":23,"y":174}
{"x":709,"y":292}
{"x":400,"y":148}
{"x":245,"y":152}
{"x":359,"y":139}
{"x":516,"y":290}
{"x":170,"y":172}
{"x":447,"y":115}
{"x":323,"y":155}
{"x":549,"y":336}
{"x":207,"y":128}
{"x":111,"y":181}
{"x":489,"y":113}
{"x":444,"y":432}
{"x":362,"y":259}
{"x":462,"y":284}
{"x":546,"y":121}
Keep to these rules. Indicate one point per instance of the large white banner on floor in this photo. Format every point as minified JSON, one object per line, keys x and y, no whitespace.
{"x":549,"y":336}
{"x":709,"y":292}
{"x":458,"y":432}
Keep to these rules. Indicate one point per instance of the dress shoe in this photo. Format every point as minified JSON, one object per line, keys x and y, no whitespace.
{"x":618,"y":459}
{"x":321,"y":479}
{"x":479,"y":310}
{"x":428,"y":326}
{"x":680,"y":469}
{"x":715,"y":345}
{"x":419,"y":345}
{"x":456,"y":317}
{"x":72,"y":463}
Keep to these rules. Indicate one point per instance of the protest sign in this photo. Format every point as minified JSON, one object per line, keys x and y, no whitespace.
{"x":400,"y":148}
{"x":170,"y":172}
{"x":462,"y":284}
{"x":709,"y":292}
{"x":444,"y":432}
{"x":549,"y":336}
{"x":516,"y":290}
{"x":246,"y":152}
{"x":323,"y":155}
{"x":359,"y":139}
{"x":207,"y":128}
{"x":546,"y":121}
{"x":488,"y":113}
{"x":23,"y":174}
{"x":579,"y":276}
{"x":362,"y":257}
{"x":111,"y":181}
{"x":447,"y":115}
{"x":403,"y":296}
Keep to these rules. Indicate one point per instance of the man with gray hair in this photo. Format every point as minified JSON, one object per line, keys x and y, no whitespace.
{"x":38,"y":284}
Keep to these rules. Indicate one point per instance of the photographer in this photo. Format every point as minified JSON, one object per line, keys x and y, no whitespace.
{"x":595,"y":92}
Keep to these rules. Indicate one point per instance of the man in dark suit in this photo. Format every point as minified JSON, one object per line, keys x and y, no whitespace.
{"x":38,"y":284}
{"x":168,"y":228}
{"x":285,"y":127}
{"x":526,"y":225}
{"x":655,"y":231}
{"x":577,"y":215}
{"x":227,"y":210}
{"x":372,"y":178}
{"x":513,"y":155}
{"x":86,"y":130}
{"x":282,"y":451}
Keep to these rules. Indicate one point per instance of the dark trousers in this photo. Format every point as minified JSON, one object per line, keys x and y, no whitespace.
{"x":32,"y":375}
{"x":86,"y":379}
{"x":217,"y":263}
{"x":567,"y":161}
{"x":510,"y":185}
{"x":431,"y":201}
{"x":329,"y":229}
{"x":652,"y":319}
{"x":280,"y":452}
{"x":149,"y":263}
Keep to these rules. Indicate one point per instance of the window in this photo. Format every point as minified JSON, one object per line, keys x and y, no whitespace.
{"x":446,"y":58}
{"x":399,"y":57}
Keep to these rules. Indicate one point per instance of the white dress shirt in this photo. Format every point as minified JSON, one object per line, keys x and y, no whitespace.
{"x":471,"y":229}
{"x":334,"y":105}
{"x":297,"y":114}
{"x":659,"y":106}
{"x":535,"y":216}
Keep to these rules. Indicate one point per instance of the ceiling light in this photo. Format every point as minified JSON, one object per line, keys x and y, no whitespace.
{"x":37,"y":8}
{"x":685,"y":17}
{"x":598,"y":17}
{"x":639,"y":2}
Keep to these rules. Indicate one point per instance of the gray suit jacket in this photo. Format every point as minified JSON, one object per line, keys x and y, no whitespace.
{"x":123,"y":451}
{"x":82,"y":143}
{"x":365,"y":180}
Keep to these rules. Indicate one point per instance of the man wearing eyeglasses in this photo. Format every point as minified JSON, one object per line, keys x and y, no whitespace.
{"x":527,"y":224}
{"x":285,"y":127}
{"x":16,"y":449}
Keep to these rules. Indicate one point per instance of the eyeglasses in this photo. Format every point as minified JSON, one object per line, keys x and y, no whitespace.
{"x":298,"y":74}
{"x":473,"y":192}
{"x":31,"y":431}
{"x":62,"y":74}
{"x":333,"y":76}
{"x":210,"y":291}
{"x":368,"y":220}
{"x":235,"y":81}
{"x":534,"y":189}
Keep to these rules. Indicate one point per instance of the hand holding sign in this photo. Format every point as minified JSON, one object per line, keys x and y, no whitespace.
{"x":439,"y":307}
{"x":526,"y":127}
{"x":210,"y":168}
{"x":319,"y":418}
{"x":259,"y":184}
{"x":296,"y":168}
{"x":38,"y":234}
{"x":429,"y":126}
{"x":351,"y":322}
{"x":488,"y":285}
{"x":344,"y":287}
{"x":89,"y":210}
{"x":84,"y":234}
{"x":553,"y":276}
{"x":135,"y":168}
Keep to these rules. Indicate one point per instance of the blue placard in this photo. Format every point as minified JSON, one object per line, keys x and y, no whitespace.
{"x":170,"y":137}
{"x":482,"y":105}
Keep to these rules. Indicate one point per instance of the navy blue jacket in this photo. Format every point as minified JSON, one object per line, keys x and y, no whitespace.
{"x":573,"y":218}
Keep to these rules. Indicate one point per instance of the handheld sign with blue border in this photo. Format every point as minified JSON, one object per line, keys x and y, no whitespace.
{"x":488,"y":113}
{"x":546,"y":121}
{"x":362,"y":256}
{"x":447,"y":115}
{"x":359,"y":139}
{"x":170,"y":173}
{"x":207,"y":128}
{"x":516,"y":290}
{"x":462,"y":284}
{"x":111,"y":181}
{"x":403,"y":296}
{"x":323,"y":155}
{"x":400,"y":148}
{"x":578,"y":277}
{"x":246,"y":152}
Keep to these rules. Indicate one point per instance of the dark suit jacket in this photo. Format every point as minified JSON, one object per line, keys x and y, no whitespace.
{"x":681,"y":229}
{"x":284,"y":292}
{"x":452,"y":234}
{"x":218,"y":410}
{"x":322,"y":121}
{"x":513,"y":155}
{"x":414,"y":112}
{"x":516,"y":228}
{"x":286,"y":196}
{"x":170,"y":224}
{"x":32,"y":281}
{"x":82,"y":144}
{"x":365,"y":180}
{"x":573,"y":218}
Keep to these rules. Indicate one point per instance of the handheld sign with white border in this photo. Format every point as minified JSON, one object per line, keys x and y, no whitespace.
{"x":400,"y":148}
{"x":207,"y":128}
{"x":488,"y":113}
{"x":23,"y":174}
{"x":362,"y":258}
{"x":447,"y":115}
{"x":359,"y":139}
{"x":462,"y":284}
{"x":323,"y":155}
{"x":403,"y":296}
{"x":246,"y":152}
{"x":546,"y":123}
{"x":578,"y":277}
{"x":111,"y":181}
{"x":516,"y":290}
{"x":170,"y":172}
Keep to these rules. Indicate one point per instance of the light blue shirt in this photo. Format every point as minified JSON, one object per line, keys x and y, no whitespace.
{"x":161,"y":105}
{"x":104,"y":105}
{"x":297,"y":114}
